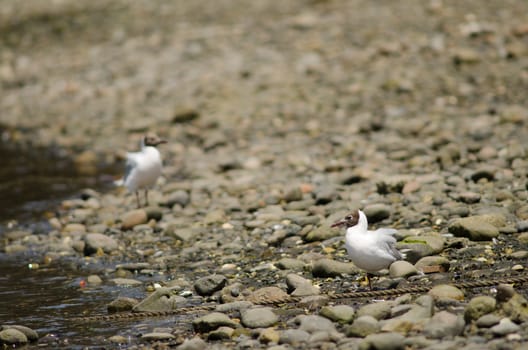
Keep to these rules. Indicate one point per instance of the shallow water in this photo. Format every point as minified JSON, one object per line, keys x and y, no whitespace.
{"x":46,"y":298}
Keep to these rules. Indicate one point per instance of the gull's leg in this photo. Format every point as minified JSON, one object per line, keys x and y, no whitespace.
{"x":146,"y":196}
{"x":369,"y":279}
{"x":137,"y":198}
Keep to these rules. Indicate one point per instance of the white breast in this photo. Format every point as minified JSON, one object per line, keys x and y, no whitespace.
{"x":143,"y":169}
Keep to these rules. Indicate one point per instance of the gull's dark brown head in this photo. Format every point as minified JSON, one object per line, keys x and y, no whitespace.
{"x":153,"y":140}
{"x":348,"y":221}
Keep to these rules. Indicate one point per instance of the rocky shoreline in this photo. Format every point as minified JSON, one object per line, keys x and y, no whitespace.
{"x":278,"y":125}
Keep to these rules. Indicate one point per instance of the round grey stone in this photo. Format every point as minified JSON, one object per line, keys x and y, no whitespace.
{"x":444,"y":324}
{"x":195,"y":343}
{"x":487,"y":321}
{"x":338,"y":313}
{"x":402,"y":268}
{"x":505,"y":326}
{"x":383,"y":341}
{"x":258,"y":317}
{"x":363,"y":326}
{"x":380,"y":310}
{"x":314,"y":323}
{"x":293,"y":336}
{"x":474,"y":228}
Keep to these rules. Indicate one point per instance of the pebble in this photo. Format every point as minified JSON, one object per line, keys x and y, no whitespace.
{"x":163,"y":299}
{"x":332,"y":268}
{"x":212,"y":321}
{"x":267,"y":294}
{"x":124,"y":282}
{"x":342,"y":314}
{"x":121,"y":304}
{"x":474,"y":228}
{"x":444,"y":324}
{"x":487,"y":321}
{"x":363,"y":326}
{"x":383,"y":341}
{"x":290,"y":264}
{"x":505,"y":326}
{"x":430,"y":261}
{"x":445,"y":291}
{"x":269,"y":335}
{"x":12,"y":336}
{"x":379,"y":310}
{"x":299,"y":286}
{"x":516,"y":308}
{"x":195,"y":343}
{"x":95,"y":242}
{"x":314,"y":323}
{"x":293,"y":337}
{"x":260,"y":317}
{"x":221,"y":333}
{"x":377,"y":212}
{"x":210,"y":284}
{"x":403,"y":269}
{"x":179,"y":197}
{"x":321,"y":234}
{"x":419,"y":246}
{"x":94,"y":280}
{"x":133,"y":218}
{"x":155,"y":336}
{"x":479,"y":306}
{"x":30,"y":334}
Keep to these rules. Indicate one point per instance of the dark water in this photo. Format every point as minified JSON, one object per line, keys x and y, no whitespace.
{"x":33,"y":183}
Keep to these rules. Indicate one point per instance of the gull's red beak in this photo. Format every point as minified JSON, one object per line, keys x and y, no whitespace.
{"x":338,"y":223}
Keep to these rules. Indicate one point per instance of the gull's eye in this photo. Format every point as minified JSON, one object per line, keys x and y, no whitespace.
{"x":348,"y":217}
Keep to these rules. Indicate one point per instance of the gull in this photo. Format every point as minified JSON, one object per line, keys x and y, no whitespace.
{"x":369,"y":250}
{"x":143,"y":168}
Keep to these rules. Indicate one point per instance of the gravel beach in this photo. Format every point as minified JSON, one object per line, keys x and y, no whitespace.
{"x":282,"y":117}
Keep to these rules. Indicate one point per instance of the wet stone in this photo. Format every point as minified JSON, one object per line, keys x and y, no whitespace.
{"x":126,"y":282}
{"x":157,"y":336}
{"x":195,"y":343}
{"x":12,"y":336}
{"x":163,"y":299}
{"x":222,"y":333}
{"x":210,"y":284}
{"x":212,"y":321}
{"x":97,"y":241}
{"x":121,"y":304}
{"x":30,"y":334}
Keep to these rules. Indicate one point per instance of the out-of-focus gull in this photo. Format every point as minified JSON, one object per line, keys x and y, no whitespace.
{"x":143,"y":168}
